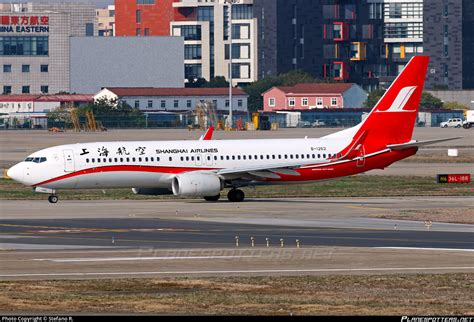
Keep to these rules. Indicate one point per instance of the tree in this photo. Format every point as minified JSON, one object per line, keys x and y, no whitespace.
{"x":218,"y":81}
{"x":59,"y":116}
{"x":374,"y":97}
{"x":428,"y":101}
{"x":454,"y":106}
{"x":113,"y":113}
{"x":106,"y":107}
{"x":196,"y":82}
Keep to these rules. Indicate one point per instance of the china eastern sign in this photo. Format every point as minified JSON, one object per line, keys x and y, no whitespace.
{"x":24,"y":24}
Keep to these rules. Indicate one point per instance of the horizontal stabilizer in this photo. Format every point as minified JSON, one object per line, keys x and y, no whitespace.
{"x":413,"y":144}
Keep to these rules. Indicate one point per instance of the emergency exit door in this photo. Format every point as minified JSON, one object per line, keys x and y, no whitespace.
{"x":68,"y":160}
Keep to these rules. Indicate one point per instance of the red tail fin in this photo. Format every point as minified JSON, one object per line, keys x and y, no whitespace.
{"x":393,"y":118}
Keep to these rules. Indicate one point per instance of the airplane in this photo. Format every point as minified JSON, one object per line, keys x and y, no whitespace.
{"x":205,"y":167}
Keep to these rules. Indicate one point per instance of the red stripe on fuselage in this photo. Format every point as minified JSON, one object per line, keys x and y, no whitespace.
{"x":122,"y":168}
{"x":328,"y":171}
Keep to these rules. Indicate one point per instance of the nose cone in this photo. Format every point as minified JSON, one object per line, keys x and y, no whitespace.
{"x":16,"y":172}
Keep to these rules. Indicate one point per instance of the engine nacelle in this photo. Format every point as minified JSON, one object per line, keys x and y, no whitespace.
{"x":152,"y":191}
{"x":197,"y":185}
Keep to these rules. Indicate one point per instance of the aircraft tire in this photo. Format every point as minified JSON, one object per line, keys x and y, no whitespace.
{"x":53,"y":199}
{"x":236,"y":195}
{"x":212,"y":198}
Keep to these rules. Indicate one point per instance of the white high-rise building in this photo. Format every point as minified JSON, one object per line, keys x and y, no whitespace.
{"x":205,"y":28}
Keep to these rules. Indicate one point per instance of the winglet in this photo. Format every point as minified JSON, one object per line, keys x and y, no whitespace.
{"x":208,"y":135}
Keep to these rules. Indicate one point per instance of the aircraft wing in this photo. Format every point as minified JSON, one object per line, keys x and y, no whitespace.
{"x":266,"y":171}
{"x":415,"y":143}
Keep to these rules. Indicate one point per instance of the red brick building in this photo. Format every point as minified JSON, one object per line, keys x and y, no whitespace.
{"x":143,"y":17}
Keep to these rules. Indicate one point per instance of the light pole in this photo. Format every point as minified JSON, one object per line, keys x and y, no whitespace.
{"x":229,"y":120}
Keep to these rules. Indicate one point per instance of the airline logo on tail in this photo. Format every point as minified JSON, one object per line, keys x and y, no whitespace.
{"x":402,"y":99}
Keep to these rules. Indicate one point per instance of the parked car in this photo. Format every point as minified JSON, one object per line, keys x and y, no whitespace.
{"x":305,"y":124}
{"x":452,"y":123}
{"x":318,"y":123}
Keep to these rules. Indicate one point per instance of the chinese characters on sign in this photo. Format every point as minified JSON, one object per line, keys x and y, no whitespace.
{"x":24,"y":24}
{"x":24,"y":20}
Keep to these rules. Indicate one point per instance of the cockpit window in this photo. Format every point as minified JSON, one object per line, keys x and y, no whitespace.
{"x":36,"y":160}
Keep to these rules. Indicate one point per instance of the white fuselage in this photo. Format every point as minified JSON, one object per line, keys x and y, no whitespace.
{"x":155,"y":163}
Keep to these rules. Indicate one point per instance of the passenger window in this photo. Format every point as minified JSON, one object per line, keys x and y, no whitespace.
{"x":324,"y":156}
{"x":261,"y":157}
{"x":215,"y":158}
{"x":110,"y":160}
{"x":222,"y":158}
{"x":104,"y":160}
{"x":192,"y":158}
{"x":98,"y":160}
{"x":319,"y":156}
{"x":128,"y":159}
{"x":121,"y":160}
{"x":245,"y":157}
{"x":139,"y":159}
{"x":171,"y":159}
{"x":279,"y":156}
{"x":187,"y":158}
{"x":182,"y":159}
{"x":208,"y":158}
{"x":273,"y":157}
{"x":307,"y":156}
{"x":152,"y":159}
{"x":302,"y":156}
{"x":238,"y":157}
{"x":268,"y":157}
{"x":198,"y":158}
{"x":133,"y":159}
{"x":291,"y":156}
{"x":233,"y":157}
{"x":314,"y":156}
{"x":87,"y":160}
{"x":297,"y":156}
{"x":146,"y":159}
{"x":93,"y":160}
{"x":250,"y":157}
{"x":227,"y":157}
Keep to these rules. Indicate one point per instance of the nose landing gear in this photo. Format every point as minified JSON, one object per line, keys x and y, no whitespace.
{"x":53,"y":199}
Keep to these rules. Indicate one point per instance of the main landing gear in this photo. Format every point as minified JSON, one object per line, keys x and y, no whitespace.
{"x":236,"y":195}
{"x":213,"y":198}
{"x":53,"y":199}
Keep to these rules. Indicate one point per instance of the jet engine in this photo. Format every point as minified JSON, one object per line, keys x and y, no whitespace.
{"x":197,"y":185}
{"x":152,"y":191}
